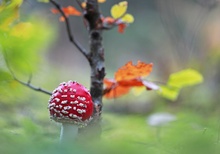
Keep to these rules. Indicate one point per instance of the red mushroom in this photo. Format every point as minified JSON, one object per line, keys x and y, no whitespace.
{"x":70,"y":104}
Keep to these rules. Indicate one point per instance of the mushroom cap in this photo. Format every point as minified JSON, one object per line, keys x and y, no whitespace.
{"x":71,"y":102}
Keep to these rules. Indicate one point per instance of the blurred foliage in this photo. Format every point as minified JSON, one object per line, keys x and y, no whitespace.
{"x":21,"y":43}
{"x":189,"y":134}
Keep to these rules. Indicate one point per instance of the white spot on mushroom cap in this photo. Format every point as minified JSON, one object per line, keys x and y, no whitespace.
{"x":64,"y":112}
{"x":74,"y":102}
{"x":63,"y":96}
{"x":71,"y":118}
{"x":82,"y":105}
{"x":64,"y":102}
{"x":80,"y":111}
{"x":57,"y":99}
{"x":67,"y":107}
{"x":52,"y":105}
{"x":81,"y":98}
{"x":72,"y":96}
{"x":55,"y":110}
{"x":73,"y":115}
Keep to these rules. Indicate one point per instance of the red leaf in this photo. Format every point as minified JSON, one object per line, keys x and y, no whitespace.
{"x":121,"y":28}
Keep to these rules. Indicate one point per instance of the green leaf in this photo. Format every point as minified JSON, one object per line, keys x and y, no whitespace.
{"x":170,"y":93}
{"x":8,"y":4}
{"x":43,"y":1}
{"x":4,"y":76}
{"x":24,"y":43}
{"x":187,"y":77}
{"x":178,"y":80}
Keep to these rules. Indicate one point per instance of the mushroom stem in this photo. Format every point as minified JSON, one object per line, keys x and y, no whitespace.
{"x":68,"y":132}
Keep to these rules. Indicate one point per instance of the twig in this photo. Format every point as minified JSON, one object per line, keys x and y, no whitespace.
{"x":32,"y":87}
{"x":79,"y":3}
{"x":69,"y":32}
{"x":28,"y":83}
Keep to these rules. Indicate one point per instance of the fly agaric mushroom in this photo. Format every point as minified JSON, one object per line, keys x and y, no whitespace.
{"x":70,"y":104}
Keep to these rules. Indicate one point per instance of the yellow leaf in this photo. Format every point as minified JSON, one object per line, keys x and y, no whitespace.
{"x":170,"y":93}
{"x":44,"y":1}
{"x":83,"y":4}
{"x":101,"y":1}
{"x":118,"y":10}
{"x":10,"y":4}
{"x":22,"y":30}
{"x":138,"y":90}
{"x":9,"y":12}
{"x":8,"y":20}
{"x":128,"y":18}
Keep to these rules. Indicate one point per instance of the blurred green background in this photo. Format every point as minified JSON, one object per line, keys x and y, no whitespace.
{"x":173,"y":35}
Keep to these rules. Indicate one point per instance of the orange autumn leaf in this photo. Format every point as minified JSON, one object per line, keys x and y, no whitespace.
{"x":108,"y":20}
{"x":130,"y":71}
{"x":113,"y":90}
{"x":129,"y":76}
{"x":70,"y":10}
{"x":54,"y":11}
{"x":62,"y":19}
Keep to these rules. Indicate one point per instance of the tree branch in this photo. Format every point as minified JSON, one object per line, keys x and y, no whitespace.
{"x":69,"y":32}
{"x":28,"y":84}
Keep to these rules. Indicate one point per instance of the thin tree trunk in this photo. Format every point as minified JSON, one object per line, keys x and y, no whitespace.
{"x":96,"y":61}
